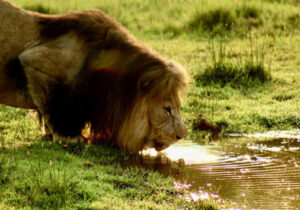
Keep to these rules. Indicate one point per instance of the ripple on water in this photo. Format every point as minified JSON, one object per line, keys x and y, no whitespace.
{"x":258,"y":174}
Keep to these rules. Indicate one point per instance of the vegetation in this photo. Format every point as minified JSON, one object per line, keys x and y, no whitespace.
{"x":38,"y":8}
{"x":38,"y":174}
{"x":234,"y":72}
{"x":244,"y":59}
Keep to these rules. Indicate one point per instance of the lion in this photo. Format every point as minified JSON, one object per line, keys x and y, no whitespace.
{"x":84,"y":68}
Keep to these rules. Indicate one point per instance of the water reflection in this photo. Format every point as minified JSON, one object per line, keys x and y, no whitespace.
{"x":191,"y":154}
{"x":254,"y":173}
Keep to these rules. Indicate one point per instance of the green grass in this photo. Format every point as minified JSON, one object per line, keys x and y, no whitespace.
{"x":44,"y":175}
{"x":38,"y":174}
{"x":38,"y":8}
{"x":236,"y":73}
{"x":248,"y":83}
{"x":196,"y":19}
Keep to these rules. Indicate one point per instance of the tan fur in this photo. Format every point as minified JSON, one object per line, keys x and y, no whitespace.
{"x":65,"y":49}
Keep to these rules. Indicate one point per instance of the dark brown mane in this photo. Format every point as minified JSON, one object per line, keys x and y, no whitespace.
{"x":102,"y":98}
{"x":108,"y":94}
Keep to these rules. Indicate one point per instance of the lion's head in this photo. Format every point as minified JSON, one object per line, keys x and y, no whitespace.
{"x":155,"y":120}
{"x":166,"y":124}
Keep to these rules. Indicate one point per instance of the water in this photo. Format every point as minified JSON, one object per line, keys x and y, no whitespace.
{"x":260,"y":171}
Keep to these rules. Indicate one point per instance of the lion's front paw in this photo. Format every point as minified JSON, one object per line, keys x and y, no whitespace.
{"x":62,"y":139}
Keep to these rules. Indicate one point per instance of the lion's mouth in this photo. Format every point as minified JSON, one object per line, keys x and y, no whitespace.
{"x":159,"y":146}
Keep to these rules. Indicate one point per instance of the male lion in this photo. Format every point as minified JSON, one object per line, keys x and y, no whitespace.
{"x":84,"y":68}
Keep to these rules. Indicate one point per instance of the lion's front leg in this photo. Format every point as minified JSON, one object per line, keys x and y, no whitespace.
{"x":45,"y":131}
{"x":62,"y":139}
{"x":58,"y":118}
{"x":48,"y":69}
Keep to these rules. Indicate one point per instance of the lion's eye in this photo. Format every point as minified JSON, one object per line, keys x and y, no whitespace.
{"x":168,"y":110}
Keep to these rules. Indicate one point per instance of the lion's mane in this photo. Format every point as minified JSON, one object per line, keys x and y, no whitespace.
{"x":114,"y":104}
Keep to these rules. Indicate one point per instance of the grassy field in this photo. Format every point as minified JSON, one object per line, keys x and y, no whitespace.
{"x":244,"y":61}
{"x":38,"y":174}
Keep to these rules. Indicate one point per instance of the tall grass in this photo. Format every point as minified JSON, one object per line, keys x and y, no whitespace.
{"x":223,"y":20}
{"x":284,"y":1}
{"x":40,"y":8}
{"x":239,"y":72}
{"x":238,"y":20}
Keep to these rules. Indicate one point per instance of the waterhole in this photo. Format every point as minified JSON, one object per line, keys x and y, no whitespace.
{"x":259,"y":171}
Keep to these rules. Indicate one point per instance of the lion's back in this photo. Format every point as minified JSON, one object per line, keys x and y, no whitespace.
{"x":17,"y":31}
{"x":95,"y":27}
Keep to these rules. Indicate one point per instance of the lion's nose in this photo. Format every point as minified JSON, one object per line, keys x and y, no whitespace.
{"x":181,"y":131}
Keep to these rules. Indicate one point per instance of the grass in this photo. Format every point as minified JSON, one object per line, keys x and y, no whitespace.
{"x":38,"y":8}
{"x":236,"y":73}
{"x":248,"y":83}
{"x":196,"y":19}
{"x":38,"y":174}
{"x":65,"y":180}
{"x":226,"y":21}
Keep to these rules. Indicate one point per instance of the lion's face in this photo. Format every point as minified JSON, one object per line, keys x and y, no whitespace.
{"x":166,"y":124}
